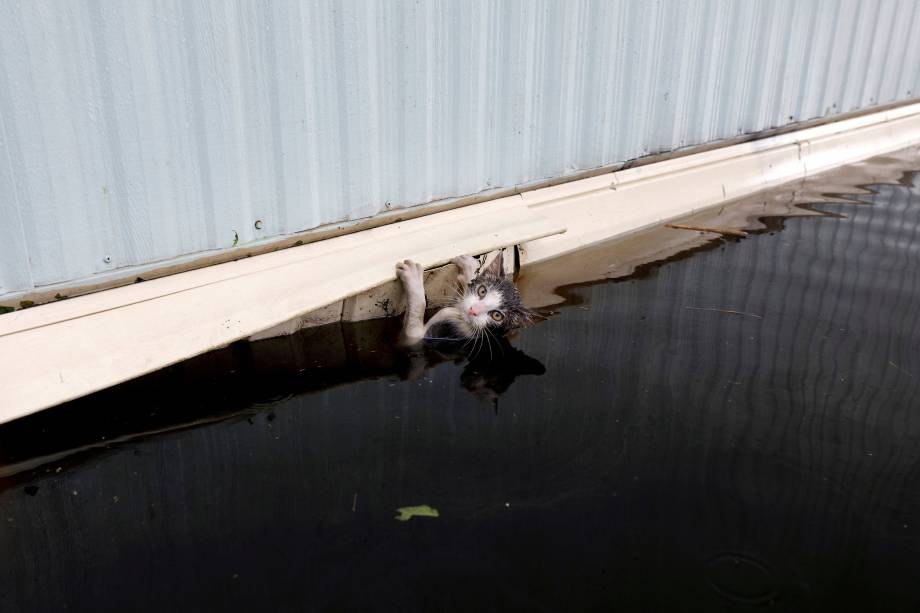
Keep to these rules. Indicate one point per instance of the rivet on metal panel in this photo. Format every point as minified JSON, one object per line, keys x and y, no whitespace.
{"x":258,"y":224}
{"x":107,"y":259}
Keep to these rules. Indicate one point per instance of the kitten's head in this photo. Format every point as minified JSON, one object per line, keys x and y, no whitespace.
{"x":491,"y":302}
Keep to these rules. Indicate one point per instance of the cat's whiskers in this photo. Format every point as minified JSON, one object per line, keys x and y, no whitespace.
{"x":474,"y":339}
{"x":482,"y":339}
{"x":488,"y":342}
{"x":469,"y":339}
{"x":492,"y":334}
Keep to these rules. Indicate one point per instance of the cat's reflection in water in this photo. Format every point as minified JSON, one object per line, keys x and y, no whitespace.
{"x":489,"y":377}
{"x":489,"y":369}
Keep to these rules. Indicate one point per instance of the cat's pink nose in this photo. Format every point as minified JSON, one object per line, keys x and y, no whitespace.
{"x":473,"y":310}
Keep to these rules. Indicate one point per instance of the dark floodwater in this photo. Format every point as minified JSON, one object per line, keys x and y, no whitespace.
{"x":672,"y":456}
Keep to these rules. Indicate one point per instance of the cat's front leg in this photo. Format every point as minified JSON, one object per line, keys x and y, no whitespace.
{"x":468,"y":266}
{"x":410,"y":274}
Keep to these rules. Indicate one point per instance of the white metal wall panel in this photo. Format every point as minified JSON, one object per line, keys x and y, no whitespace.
{"x":140,"y":131}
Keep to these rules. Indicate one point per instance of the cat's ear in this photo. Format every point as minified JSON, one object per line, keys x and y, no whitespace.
{"x":495,"y":268}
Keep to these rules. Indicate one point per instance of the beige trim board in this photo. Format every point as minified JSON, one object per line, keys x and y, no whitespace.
{"x":64,"y":350}
{"x":627,"y":201}
{"x":60,"y":351}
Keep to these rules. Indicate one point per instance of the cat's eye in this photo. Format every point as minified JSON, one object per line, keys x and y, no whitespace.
{"x":498,"y":316}
{"x":481,"y":291}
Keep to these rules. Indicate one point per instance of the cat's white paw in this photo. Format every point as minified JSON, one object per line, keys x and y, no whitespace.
{"x":410,"y":273}
{"x":464,"y":262}
{"x":468,"y":266}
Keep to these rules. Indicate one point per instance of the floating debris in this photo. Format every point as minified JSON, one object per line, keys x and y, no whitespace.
{"x":723,"y":231}
{"x":422,"y":510}
{"x":728,"y":311}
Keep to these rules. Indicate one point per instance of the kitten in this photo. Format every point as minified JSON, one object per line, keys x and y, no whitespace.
{"x":488,"y":306}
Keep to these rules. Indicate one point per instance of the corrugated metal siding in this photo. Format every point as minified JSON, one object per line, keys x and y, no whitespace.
{"x":137,"y":132}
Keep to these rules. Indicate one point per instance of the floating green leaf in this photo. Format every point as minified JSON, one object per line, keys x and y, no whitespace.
{"x":422,"y":510}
